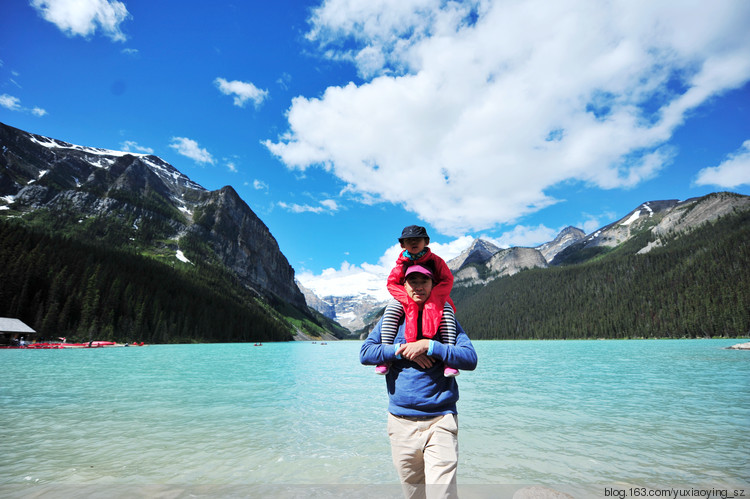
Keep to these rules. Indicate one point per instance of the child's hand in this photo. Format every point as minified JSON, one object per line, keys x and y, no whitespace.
{"x":415,"y":349}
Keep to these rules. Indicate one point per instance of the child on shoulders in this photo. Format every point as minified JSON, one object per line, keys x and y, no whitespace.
{"x":438,"y":316}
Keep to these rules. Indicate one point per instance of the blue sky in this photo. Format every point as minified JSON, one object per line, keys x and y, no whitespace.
{"x":341,"y":121}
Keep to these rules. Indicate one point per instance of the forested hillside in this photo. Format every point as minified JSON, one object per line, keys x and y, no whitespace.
{"x":64,"y":287}
{"x":696,"y":285}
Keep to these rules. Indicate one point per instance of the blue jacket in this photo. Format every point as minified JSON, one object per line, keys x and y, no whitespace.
{"x":413,"y":391}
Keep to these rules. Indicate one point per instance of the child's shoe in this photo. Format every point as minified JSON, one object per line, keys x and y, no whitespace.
{"x":381,"y":369}
{"x":449,"y":372}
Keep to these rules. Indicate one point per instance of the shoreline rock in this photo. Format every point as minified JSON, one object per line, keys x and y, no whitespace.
{"x":740,"y":346}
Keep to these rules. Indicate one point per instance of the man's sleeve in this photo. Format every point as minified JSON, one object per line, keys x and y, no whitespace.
{"x":373,"y":352}
{"x":459,"y":356}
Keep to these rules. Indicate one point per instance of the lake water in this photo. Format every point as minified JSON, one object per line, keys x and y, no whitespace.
{"x":301,"y":419}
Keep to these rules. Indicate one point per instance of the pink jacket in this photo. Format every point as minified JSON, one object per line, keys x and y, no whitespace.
{"x":433,"y":308}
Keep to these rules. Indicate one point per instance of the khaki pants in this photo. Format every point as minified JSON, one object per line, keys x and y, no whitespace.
{"x":425,"y":454}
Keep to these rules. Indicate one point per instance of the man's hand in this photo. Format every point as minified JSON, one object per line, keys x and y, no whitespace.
{"x":423,"y":361}
{"x":417,"y":352}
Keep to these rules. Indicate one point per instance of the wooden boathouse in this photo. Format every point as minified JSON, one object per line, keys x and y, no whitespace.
{"x":13,"y":331}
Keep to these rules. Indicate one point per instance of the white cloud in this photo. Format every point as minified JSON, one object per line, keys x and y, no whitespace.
{"x":84,"y":17}
{"x":259,"y":185}
{"x":732,"y":172}
{"x":13,"y":103}
{"x":232,"y":167}
{"x":326,"y":206}
{"x":9,"y":102}
{"x":191,"y":149}
{"x":489,"y":103}
{"x":132,"y":146}
{"x":330,"y":204}
{"x":242,"y":91}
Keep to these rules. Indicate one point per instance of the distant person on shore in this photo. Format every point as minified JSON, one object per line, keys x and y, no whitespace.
{"x":422,"y":419}
{"x":437,"y":313}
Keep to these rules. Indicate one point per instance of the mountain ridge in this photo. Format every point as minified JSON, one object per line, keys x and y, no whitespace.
{"x":653,"y":221}
{"x":695,"y":284}
{"x":152,"y":200}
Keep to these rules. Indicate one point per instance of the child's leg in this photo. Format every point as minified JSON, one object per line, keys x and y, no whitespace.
{"x":391,"y":318}
{"x":448,"y":334}
{"x":448,"y":325}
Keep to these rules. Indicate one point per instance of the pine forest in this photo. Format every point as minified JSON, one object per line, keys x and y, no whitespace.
{"x":64,"y":287}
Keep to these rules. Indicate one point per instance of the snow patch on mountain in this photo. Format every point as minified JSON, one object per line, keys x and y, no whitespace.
{"x":58,"y":144}
{"x":181,"y":257}
{"x":633,"y":218}
{"x":637,"y":214}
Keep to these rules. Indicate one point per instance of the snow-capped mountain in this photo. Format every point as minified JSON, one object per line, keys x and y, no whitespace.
{"x":349,"y":298}
{"x":142,"y":202}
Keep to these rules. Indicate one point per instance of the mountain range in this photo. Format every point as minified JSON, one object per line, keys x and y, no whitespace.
{"x":654,"y":222}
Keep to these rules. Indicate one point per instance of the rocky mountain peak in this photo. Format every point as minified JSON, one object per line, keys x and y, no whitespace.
{"x":569,"y":235}
{"x":244,"y":244}
{"x":479,"y":252}
{"x":504,"y":262}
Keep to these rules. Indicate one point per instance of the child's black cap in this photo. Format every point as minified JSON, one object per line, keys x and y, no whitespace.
{"x":413,"y":231}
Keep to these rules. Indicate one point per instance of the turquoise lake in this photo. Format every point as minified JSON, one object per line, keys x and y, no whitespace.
{"x":290,"y":418}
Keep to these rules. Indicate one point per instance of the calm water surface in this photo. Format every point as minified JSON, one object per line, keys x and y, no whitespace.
{"x":638,"y":412}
